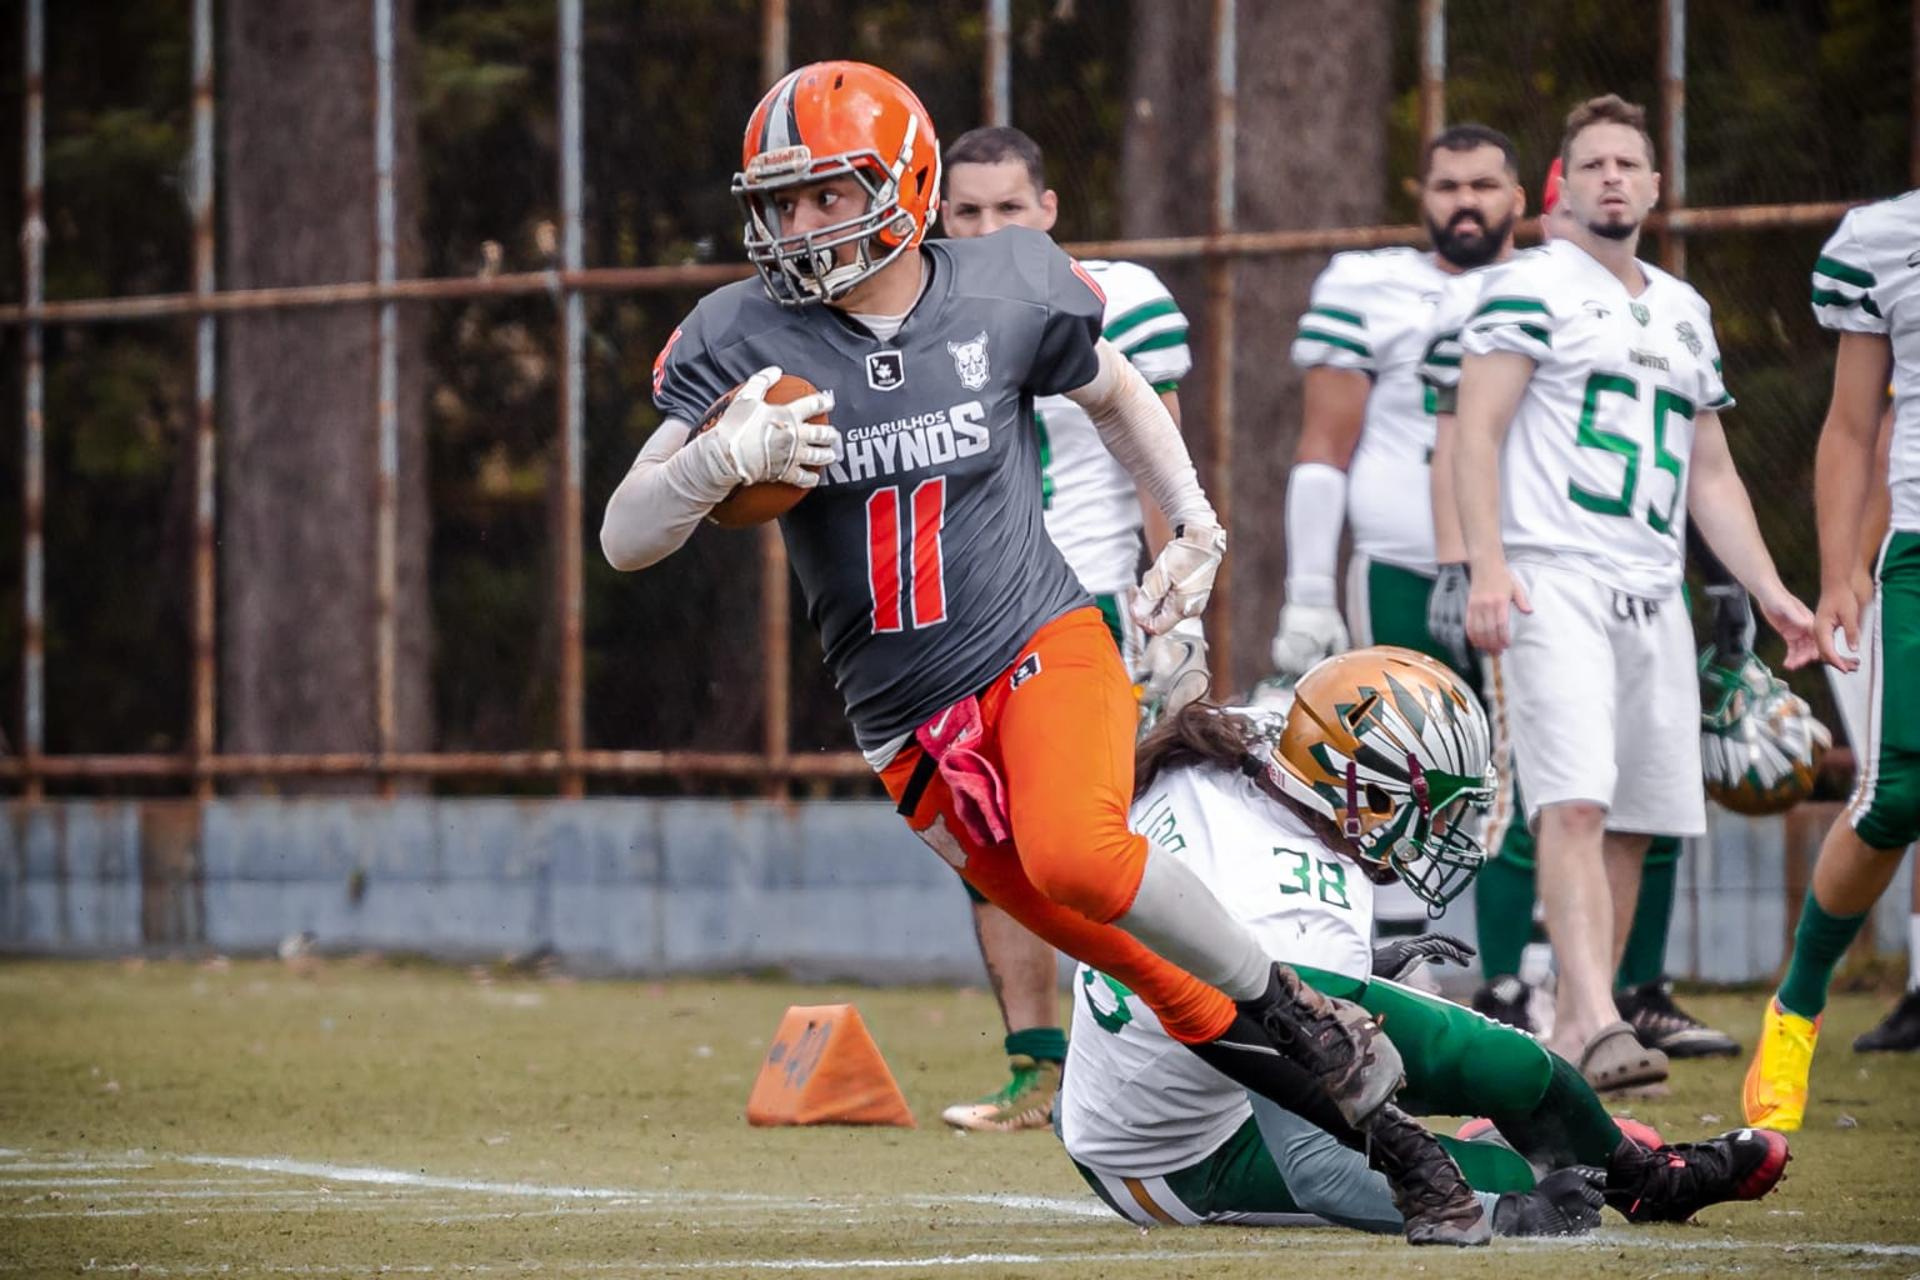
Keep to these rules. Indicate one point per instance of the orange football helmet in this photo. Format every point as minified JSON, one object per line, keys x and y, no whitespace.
{"x":827,"y":120}
{"x":1394,"y":750}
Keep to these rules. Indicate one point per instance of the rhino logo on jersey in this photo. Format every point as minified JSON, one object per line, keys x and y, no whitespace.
{"x":1689,"y":338}
{"x":970,"y":361}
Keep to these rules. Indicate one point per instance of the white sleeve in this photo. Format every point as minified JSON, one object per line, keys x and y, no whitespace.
{"x":1316,"y":512}
{"x":1136,"y":428}
{"x":1512,"y":315}
{"x":669,"y":490}
{"x":1844,"y":283}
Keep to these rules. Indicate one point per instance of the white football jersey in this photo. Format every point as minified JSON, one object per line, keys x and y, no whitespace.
{"x":1092,"y":506}
{"x":1594,"y":469}
{"x":1440,"y":361}
{"x":1867,"y":280}
{"x":1372,"y":310}
{"x":1136,"y":1102}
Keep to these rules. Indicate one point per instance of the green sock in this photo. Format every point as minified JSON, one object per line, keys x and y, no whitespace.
{"x":1645,"y":959}
{"x":1042,"y":1044}
{"x":1569,"y":1125}
{"x":1488,"y":1166}
{"x":1503,"y":905}
{"x":1818,"y":943}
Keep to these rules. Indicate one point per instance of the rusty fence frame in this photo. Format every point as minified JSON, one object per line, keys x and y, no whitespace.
{"x":202,"y":763}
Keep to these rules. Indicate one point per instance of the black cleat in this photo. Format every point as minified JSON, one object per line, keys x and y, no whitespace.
{"x":1566,"y":1202}
{"x":1335,"y":1041}
{"x":1672,"y":1183}
{"x":1434,"y":1199}
{"x":1898,"y":1032}
{"x":1505,"y":1000}
{"x":1661,"y":1024}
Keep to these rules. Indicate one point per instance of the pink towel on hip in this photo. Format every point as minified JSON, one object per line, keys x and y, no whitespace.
{"x":953,"y":739}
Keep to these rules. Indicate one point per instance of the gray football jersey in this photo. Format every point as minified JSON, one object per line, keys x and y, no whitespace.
{"x":923,"y":555}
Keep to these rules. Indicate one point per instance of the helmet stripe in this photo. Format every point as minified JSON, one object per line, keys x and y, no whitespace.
{"x":782,"y":128}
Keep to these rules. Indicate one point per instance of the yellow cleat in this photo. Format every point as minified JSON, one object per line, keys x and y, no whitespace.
{"x":1775,"y":1094}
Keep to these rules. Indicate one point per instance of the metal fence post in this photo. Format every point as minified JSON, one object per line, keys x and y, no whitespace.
{"x":1433,"y":68}
{"x":1673,"y":129}
{"x":776,"y":604}
{"x":996,"y":99}
{"x":33,"y":240}
{"x":205,"y":441}
{"x":386,"y":395}
{"x":1220,"y":327}
{"x":573,"y":395}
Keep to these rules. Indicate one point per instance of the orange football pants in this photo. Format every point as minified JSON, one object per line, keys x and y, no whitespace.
{"x":1059,"y":726}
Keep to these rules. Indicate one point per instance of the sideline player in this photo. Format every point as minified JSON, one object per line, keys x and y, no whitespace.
{"x":1504,"y":891}
{"x":1367,"y":428}
{"x":1253,"y":807}
{"x":981,"y":683}
{"x":1899,"y":1031}
{"x":1863,"y":287}
{"x":1588,"y":431}
{"x":1096,"y":515}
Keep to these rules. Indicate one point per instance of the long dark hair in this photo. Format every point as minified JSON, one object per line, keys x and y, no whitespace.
{"x":1198,"y":733}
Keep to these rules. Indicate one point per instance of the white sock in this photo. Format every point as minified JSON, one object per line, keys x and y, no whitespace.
{"x":1179,"y":919}
{"x":1913,"y":952}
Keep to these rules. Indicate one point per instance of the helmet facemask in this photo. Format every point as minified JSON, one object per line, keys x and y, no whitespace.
{"x":1428,"y":839}
{"x":799,"y":270}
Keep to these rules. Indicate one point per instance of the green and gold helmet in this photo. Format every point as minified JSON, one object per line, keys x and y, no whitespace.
{"x":1759,"y":744}
{"x":1395,"y":750}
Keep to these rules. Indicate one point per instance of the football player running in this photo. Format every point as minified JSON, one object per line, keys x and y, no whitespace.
{"x":1376,"y":775}
{"x":980,"y":681}
{"x":1504,"y":891}
{"x":1367,"y":429}
{"x":1588,"y":431}
{"x":1862,"y":288}
{"x":1095,"y":514}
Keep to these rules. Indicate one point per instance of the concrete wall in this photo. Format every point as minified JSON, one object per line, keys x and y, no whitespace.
{"x":653,"y":886}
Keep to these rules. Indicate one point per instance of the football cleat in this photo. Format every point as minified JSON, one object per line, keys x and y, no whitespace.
{"x":1661,"y":1024}
{"x":1673,"y":1183}
{"x":1898,"y":1032}
{"x":1775,"y":1093}
{"x":1433,"y":1198}
{"x":1025,"y":1101}
{"x":1506,"y":999}
{"x":1566,"y":1202}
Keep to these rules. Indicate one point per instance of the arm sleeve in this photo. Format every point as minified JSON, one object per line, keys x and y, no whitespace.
{"x":1316,"y":512}
{"x":1148,"y":328}
{"x":671,"y":487}
{"x":1844,"y":284}
{"x":1066,"y":358}
{"x":1333,"y":332}
{"x":1510,"y":315}
{"x":1136,"y":428}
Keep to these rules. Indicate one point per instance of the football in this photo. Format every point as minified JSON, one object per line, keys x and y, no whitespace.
{"x":752,"y":504}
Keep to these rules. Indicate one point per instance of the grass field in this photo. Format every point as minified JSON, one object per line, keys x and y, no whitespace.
{"x":353,"y":1119}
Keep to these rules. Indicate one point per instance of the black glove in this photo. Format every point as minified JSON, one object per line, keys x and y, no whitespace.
{"x":1447,"y":611}
{"x":1732,"y":628}
{"x":1566,"y":1203}
{"x":1395,"y":960}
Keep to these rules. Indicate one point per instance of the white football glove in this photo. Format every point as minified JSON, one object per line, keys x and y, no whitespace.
{"x":1176,"y":672}
{"x":1308,"y":633}
{"x":764,"y":442}
{"x":1178,"y":584}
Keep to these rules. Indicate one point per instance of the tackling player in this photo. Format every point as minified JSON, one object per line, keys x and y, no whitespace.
{"x":1863,"y":287}
{"x":1095,"y":514}
{"x":1373,"y":776}
{"x":1367,"y":428}
{"x":981,"y":683}
{"x":1589,"y":430}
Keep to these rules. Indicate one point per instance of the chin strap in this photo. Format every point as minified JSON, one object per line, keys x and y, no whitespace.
{"x":1351,"y":827}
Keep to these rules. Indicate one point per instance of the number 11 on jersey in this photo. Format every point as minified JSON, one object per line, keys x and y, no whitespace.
{"x":924,"y":583}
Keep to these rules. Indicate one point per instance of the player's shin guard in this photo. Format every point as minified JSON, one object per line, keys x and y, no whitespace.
{"x":1335,"y":1043}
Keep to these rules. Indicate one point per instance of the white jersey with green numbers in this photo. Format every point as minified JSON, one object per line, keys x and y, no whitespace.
{"x":1593,"y":473}
{"x":1867,"y":280}
{"x":1372,"y":310}
{"x":1092,"y":506}
{"x":1135,"y":1102}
